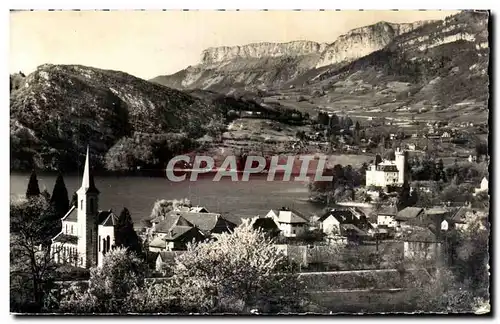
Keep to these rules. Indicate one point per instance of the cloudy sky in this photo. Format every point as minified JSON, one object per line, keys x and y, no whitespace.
{"x":150,"y":43}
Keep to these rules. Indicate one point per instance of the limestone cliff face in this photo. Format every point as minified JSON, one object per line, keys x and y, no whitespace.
{"x":275,"y":64}
{"x":216,"y":55}
{"x":362,"y":41}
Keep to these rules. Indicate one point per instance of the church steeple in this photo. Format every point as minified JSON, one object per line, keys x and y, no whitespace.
{"x":88,"y":206}
{"x":88,"y":185}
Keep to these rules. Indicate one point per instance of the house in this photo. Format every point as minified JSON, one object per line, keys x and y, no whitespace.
{"x":345,"y":222}
{"x":422,"y":243}
{"x":266,"y":224}
{"x":412,"y":147}
{"x":388,"y":172}
{"x":484,"y":187}
{"x":408,"y":215}
{"x":459,"y":217}
{"x":387,"y":217}
{"x":445,"y":135}
{"x":165,"y":260}
{"x":87,"y":234}
{"x":291,"y":223}
{"x":174,"y":230}
{"x":207,"y":223}
{"x":174,"y":233}
{"x":196,"y":209}
{"x":472,"y":158}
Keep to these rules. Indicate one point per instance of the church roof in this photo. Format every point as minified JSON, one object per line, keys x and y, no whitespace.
{"x":109,"y":218}
{"x":65,"y":238}
{"x":71,"y":215}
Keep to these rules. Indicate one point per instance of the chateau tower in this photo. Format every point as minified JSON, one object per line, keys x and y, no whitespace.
{"x":401,"y":164}
{"x":88,"y":201}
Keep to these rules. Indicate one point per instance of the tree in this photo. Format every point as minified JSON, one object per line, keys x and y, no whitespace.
{"x":33,"y":189}
{"x":126,"y":236}
{"x":110,"y":285}
{"x":439,"y":171}
{"x":74,"y":200}
{"x":162,"y":207}
{"x":215,"y":128}
{"x":357,"y":127}
{"x":59,"y":199}
{"x":236,"y":273}
{"x":390,"y":155}
{"x":404,"y":197}
{"x":32,"y":270}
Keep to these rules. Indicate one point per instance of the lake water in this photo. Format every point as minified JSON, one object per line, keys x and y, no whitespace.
{"x":138,"y":194}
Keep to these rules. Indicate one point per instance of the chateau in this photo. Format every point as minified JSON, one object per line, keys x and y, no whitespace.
{"x":87,"y":233}
{"x":388,"y":172}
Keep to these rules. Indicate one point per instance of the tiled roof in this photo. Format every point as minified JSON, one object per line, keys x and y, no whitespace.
{"x":204,"y":221}
{"x":64,"y":238}
{"x":170,"y":221}
{"x":437,"y":211}
{"x":352,"y":229}
{"x":409,"y":213}
{"x":169,"y":256}
{"x":346,"y":216}
{"x":71,"y":215}
{"x":177,"y":232}
{"x":291,"y":217}
{"x":343,"y":216}
{"x":388,"y":210}
{"x":419,"y":234}
{"x":388,"y":168}
{"x":199,"y":209}
{"x":265,"y":223}
{"x":158,"y":242}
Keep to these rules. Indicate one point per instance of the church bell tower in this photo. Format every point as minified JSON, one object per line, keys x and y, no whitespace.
{"x":88,"y":202}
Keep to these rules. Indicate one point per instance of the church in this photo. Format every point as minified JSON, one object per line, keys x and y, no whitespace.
{"x":87,"y":234}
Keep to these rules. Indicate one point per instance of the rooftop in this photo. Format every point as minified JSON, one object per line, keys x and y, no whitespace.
{"x":291,"y":217}
{"x":65,"y":238}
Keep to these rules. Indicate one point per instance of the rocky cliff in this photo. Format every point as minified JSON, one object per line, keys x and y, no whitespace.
{"x":276,"y":64}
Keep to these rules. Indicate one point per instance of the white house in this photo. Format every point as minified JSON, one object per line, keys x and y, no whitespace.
{"x":483,"y":187}
{"x":387,"y":217}
{"x":291,"y":223}
{"x":387,"y":172}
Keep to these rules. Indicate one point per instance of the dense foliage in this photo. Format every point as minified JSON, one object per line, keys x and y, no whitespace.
{"x":235,"y":272}
{"x":146,"y":151}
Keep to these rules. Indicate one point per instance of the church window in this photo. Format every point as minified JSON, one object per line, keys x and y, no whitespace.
{"x":99,"y":243}
{"x":91,"y":205}
{"x":66,"y":228}
{"x":107,"y":243}
{"x":71,"y":229}
{"x":81,"y":204}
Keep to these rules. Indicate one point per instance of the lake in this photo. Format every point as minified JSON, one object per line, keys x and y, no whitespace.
{"x":138,"y":194}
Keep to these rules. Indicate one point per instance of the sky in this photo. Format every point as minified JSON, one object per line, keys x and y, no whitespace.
{"x":151,"y":43}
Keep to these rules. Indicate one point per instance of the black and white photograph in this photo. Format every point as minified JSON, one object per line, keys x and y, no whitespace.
{"x":250,"y":162}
